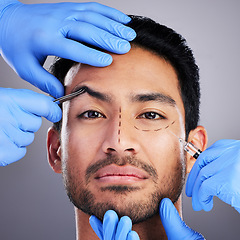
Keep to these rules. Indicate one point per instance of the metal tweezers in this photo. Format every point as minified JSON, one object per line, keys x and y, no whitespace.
{"x":70,"y":96}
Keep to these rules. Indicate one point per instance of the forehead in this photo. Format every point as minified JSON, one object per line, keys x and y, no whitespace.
{"x":138,"y":71}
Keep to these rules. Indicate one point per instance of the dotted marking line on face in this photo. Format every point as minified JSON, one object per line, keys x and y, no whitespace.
{"x":119,"y":124}
{"x":155,"y":130}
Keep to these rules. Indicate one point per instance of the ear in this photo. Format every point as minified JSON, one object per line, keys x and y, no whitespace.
{"x":199,"y":138}
{"x":54,"y":150}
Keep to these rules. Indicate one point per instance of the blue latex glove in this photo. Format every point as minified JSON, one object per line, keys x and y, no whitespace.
{"x":216,"y":173}
{"x":174,"y":226}
{"x":20,"y":117}
{"x":112,"y":228}
{"x":31,"y":32}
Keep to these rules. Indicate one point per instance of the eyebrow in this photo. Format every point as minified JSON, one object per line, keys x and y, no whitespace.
{"x":159,"y":97}
{"x":96,"y":94}
{"x":144,"y":97}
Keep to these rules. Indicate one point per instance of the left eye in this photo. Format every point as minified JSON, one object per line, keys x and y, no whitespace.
{"x":151,"y":116}
{"x":91,"y":114}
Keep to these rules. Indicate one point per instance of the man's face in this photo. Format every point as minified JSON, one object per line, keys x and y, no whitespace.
{"x":118,"y":150}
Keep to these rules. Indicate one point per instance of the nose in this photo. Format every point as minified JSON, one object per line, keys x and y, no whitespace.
{"x":120,"y":137}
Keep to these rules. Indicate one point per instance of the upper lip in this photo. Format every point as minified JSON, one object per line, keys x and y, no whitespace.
{"x":127,"y":170}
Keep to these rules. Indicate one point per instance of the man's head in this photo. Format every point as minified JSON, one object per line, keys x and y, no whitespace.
{"x":116,"y":145}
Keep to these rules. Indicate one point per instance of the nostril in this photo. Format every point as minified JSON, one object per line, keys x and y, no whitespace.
{"x":129,"y":150}
{"x":109,"y":150}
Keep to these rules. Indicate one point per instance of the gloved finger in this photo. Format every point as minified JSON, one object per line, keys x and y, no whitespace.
{"x":123,"y":228}
{"x":23,"y":139}
{"x":13,"y":152}
{"x":13,"y":115}
{"x":206,"y":176}
{"x":16,"y":135}
{"x":70,"y":49}
{"x":31,"y":123}
{"x":21,"y":119}
{"x":105,"y":24}
{"x":42,"y":79}
{"x":196,"y":202}
{"x":204,"y":201}
{"x":38,"y":104}
{"x":224,"y":185}
{"x":174,"y":226}
{"x":206,"y":157}
{"x":132,"y":236}
{"x":97,"y":226}
{"x":110,"y":223}
{"x":109,"y":12}
{"x":96,"y":37}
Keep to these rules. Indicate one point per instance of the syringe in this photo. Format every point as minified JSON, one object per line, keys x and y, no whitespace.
{"x":189,"y":147}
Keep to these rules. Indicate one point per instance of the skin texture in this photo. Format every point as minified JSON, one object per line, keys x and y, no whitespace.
{"x":89,"y":144}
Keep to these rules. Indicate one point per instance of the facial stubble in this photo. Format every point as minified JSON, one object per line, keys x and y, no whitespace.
{"x":122,"y":199}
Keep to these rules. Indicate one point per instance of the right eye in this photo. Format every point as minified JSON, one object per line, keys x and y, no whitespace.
{"x":91,"y":114}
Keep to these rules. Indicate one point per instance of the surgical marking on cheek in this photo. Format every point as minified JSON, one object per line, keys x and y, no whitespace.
{"x":119,"y":124}
{"x":155,"y":130}
{"x":142,"y":129}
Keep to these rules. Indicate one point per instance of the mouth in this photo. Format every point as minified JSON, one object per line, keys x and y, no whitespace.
{"x":113,"y":174}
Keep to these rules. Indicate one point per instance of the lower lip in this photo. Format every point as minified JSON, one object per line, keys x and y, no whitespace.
{"x":120,"y":179}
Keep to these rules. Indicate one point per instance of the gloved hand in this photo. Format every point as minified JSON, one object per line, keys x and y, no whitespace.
{"x":31,"y":32}
{"x":20,"y":117}
{"x":112,"y":228}
{"x":216,"y":173}
{"x":174,"y":226}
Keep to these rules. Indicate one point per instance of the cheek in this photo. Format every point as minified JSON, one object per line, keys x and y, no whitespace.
{"x":164,"y":153}
{"x":80,"y":148}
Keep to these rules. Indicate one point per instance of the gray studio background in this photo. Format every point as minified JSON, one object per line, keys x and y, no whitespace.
{"x":33,"y":203}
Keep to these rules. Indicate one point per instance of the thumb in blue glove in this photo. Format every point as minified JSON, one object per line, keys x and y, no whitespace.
{"x":20,"y":116}
{"x":112,"y":228}
{"x":174,"y":226}
{"x":59,"y":29}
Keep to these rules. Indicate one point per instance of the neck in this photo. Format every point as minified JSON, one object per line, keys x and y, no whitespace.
{"x":149,"y":229}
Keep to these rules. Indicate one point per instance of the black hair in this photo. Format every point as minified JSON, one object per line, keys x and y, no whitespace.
{"x":169,"y":45}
